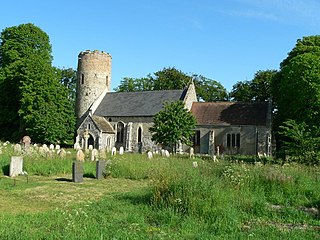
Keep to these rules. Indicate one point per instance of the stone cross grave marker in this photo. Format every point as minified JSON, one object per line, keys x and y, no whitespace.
{"x":16,"y":164}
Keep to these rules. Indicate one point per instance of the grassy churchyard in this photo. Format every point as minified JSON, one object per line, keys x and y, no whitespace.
{"x":159,"y":198}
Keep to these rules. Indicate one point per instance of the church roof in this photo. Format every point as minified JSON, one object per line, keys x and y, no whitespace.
{"x":102,"y":124}
{"x":130,"y":104}
{"x":230,"y":113}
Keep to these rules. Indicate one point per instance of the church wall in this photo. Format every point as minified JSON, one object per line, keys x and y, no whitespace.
{"x":252,"y":139}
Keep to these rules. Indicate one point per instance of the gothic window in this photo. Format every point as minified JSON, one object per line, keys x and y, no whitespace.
{"x":108,"y":141}
{"x":233,"y":140}
{"x":82,"y":78}
{"x":139,"y":135}
{"x":120,"y":132}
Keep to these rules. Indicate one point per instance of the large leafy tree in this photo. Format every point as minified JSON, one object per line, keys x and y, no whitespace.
{"x":171,"y":78}
{"x":296,"y":89}
{"x":172,"y":124}
{"x":32,"y":100}
{"x":256,"y":90}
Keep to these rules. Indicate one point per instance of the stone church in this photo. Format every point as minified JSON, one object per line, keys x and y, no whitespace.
{"x":108,"y":119}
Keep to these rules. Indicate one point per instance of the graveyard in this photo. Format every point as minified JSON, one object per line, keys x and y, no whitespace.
{"x":154,"y":196}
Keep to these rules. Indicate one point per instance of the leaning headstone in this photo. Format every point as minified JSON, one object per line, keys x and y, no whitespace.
{"x":113,"y":151}
{"x":100,"y":169}
{"x":16,"y":166}
{"x":121,"y":150}
{"x":26,"y":141}
{"x":77,"y":171}
{"x":80,"y":156}
{"x":94,"y":154}
{"x":17,"y":148}
{"x":150,"y":155}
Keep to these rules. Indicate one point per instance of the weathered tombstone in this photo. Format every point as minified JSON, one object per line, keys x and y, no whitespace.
{"x":94,"y":154}
{"x":80,"y":156}
{"x":100,"y":169}
{"x":62,"y":153}
{"x":16,"y":164}
{"x":76,"y":146}
{"x":163,"y":152}
{"x":113,"y":151}
{"x":102,"y":154}
{"x":77,"y":171}
{"x":51,"y":147}
{"x":150,"y":155}
{"x":90,"y":147}
{"x":26,"y":141}
{"x":17,"y":148}
{"x":121,"y":150}
{"x":191,"y":152}
{"x":166,"y":153}
{"x":195,"y":164}
{"x":45,"y":148}
{"x":57,"y":147}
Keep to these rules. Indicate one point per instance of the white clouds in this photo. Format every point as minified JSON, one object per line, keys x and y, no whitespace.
{"x":292,"y":12}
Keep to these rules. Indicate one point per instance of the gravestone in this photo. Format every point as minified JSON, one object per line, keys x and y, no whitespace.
{"x":101,"y":169}
{"x":121,"y":150}
{"x":17,"y":148}
{"x":113,"y":151}
{"x":195,"y":164}
{"x":191,"y":152}
{"x":163,"y":152}
{"x":77,"y":171}
{"x":16,"y":164}
{"x":80,"y":156}
{"x":94,"y":154}
{"x":62,"y":153}
{"x":51,"y":147}
{"x":102,"y":154}
{"x":57,"y":147}
{"x":76,"y":146}
{"x":166,"y":153}
{"x":150,"y":155}
{"x":26,"y":141}
{"x":90,"y":147}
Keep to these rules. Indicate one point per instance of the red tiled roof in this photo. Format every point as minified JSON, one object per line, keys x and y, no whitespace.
{"x":230,"y":113}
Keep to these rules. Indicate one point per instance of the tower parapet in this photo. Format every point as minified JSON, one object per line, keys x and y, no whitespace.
{"x":93,"y":78}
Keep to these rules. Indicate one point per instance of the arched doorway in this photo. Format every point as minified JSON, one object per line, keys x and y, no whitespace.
{"x":90,"y":141}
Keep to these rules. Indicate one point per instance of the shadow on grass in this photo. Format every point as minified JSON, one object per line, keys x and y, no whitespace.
{"x":89,"y":175}
{"x":63,"y":179}
{"x":136,"y":198}
{"x":6,"y":169}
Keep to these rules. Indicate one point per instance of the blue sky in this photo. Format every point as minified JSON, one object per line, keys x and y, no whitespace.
{"x":225,"y":40}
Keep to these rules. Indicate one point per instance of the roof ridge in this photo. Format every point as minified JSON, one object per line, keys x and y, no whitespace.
{"x":167,"y":90}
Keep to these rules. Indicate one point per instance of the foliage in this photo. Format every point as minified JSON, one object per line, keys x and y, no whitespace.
{"x":296,"y":88}
{"x":32,"y":101}
{"x":172,"y":124}
{"x":300,"y":142}
{"x":171,"y":78}
{"x":257,"y":90}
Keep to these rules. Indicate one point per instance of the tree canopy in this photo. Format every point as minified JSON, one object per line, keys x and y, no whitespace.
{"x":32,"y":101}
{"x":172,"y":124}
{"x":171,"y":78}
{"x":256,"y":90}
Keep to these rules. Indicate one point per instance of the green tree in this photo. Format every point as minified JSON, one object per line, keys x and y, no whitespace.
{"x":172,"y":124}
{"x":256,"y":90}
{"x":171,"y":78}
{"x":209,"y":90}
{"x":32,"y":101}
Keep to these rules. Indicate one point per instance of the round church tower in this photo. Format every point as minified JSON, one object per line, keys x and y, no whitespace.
{"x":93,"y":77}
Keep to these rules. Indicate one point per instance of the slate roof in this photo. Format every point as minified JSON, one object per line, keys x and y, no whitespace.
{"x":102,"y":124}
{"x":130,"y":104}
{"x":230,"y":113}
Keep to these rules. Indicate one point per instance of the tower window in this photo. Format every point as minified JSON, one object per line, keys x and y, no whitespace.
{"x":82,"y":78}
{"x":107,"y":80}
